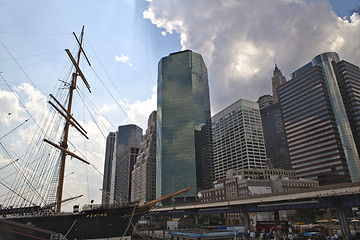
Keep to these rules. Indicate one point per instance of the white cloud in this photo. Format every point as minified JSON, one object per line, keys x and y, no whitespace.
{"x":143,"y":109}
{"x":239,"y":39}
{"x":124,"y":112}
{"x":18,"y":142}
{"x":108,"y":108}
{"x":4,"y":161}
{"x":9,"y":107}
{"x":35,"y":101}
{"x":123,"y":59}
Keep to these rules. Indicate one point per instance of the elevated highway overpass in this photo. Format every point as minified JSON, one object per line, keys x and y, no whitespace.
{"x":338,"y":196}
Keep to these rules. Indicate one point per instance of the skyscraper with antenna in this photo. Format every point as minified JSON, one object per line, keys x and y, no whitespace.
{"x":273,"y":126}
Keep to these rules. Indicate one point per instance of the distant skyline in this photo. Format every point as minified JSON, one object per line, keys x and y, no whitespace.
{"x":239,"y":40}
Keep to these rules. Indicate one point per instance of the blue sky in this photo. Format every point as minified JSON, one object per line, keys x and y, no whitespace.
{"x":344,"y":8}
{"x":238,"y":40}
{"x":116,"y":28}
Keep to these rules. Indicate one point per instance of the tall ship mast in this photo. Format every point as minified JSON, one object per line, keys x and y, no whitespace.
{"x":69,"y":120}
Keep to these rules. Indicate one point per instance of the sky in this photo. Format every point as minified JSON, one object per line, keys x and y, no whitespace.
{"x":239,"y":40}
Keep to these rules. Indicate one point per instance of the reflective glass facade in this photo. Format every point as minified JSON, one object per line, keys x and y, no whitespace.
{"x":238,"y":138}
{"x":348,"y":76}
{"x":321,"y":143}
{"x":127,"y":143}
{"x":184,"y":142}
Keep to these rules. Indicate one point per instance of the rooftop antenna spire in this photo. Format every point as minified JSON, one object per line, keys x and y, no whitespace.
{"x":274,"y":60}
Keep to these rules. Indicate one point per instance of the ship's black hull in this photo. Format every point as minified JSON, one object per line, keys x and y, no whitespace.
{"x":90,"y":224}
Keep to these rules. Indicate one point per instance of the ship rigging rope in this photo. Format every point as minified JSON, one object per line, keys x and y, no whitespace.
{"x":91,"y":104}
{"x":13,"y":191}
{"x":53,"y":127}
{"x":23,"y":105}
{"x":98,"y":128}
{"x":24,"y":166}
{"x":30,"y":55}
{"x":26,"y":183}
{"x":2,"y":179}
{"x":97,"y":111}
{"x":85,"y":158}
{"x":19,"y":195}
{"x":92,"y":117}
{"x":9,"y":164}
{"x":13,"y":58}
{"x":35,"y":34}
{"x":142,"y":236}
{"x":32,"y":64}
{"x":14,"y":129}
{"x":19,"y":170}
{"x":79,"y":152}
{"x":117,"y":103}
{"x":39,"y":128}
{"x":70,"y":228}
{"x":37,"y":168}
{"x":112,"y":82}
{"x":132,"y":216}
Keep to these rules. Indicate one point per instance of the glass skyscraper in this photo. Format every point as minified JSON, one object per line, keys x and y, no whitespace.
{"x":184,"y":155}
{"x":348,"y":77}
{"x":128,"y":140}
{"x":319,"y":134}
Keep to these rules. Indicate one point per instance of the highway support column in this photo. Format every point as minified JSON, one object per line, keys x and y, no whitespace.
{"x":344,"y":223}
{"x":246,"y":218}
{"x":196,"y":217}
{"x":277,"y":218}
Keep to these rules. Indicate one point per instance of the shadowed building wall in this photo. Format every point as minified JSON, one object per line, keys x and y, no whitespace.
{"x":109,"y":157}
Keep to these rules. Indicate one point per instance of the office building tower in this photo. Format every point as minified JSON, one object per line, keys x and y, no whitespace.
{"x":273,"y":127}
{"x":143,"y":187}
{"x":319,"y":134}
{"x":265,"y":101}
{"x":128,"y":140}
{"x":238,"y":138}
{"x":277,"y":80}
{"x":184,"y":155}
{"x":348,"y":76}
{"x":109,"y":156}
{"x":275,"y":138}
